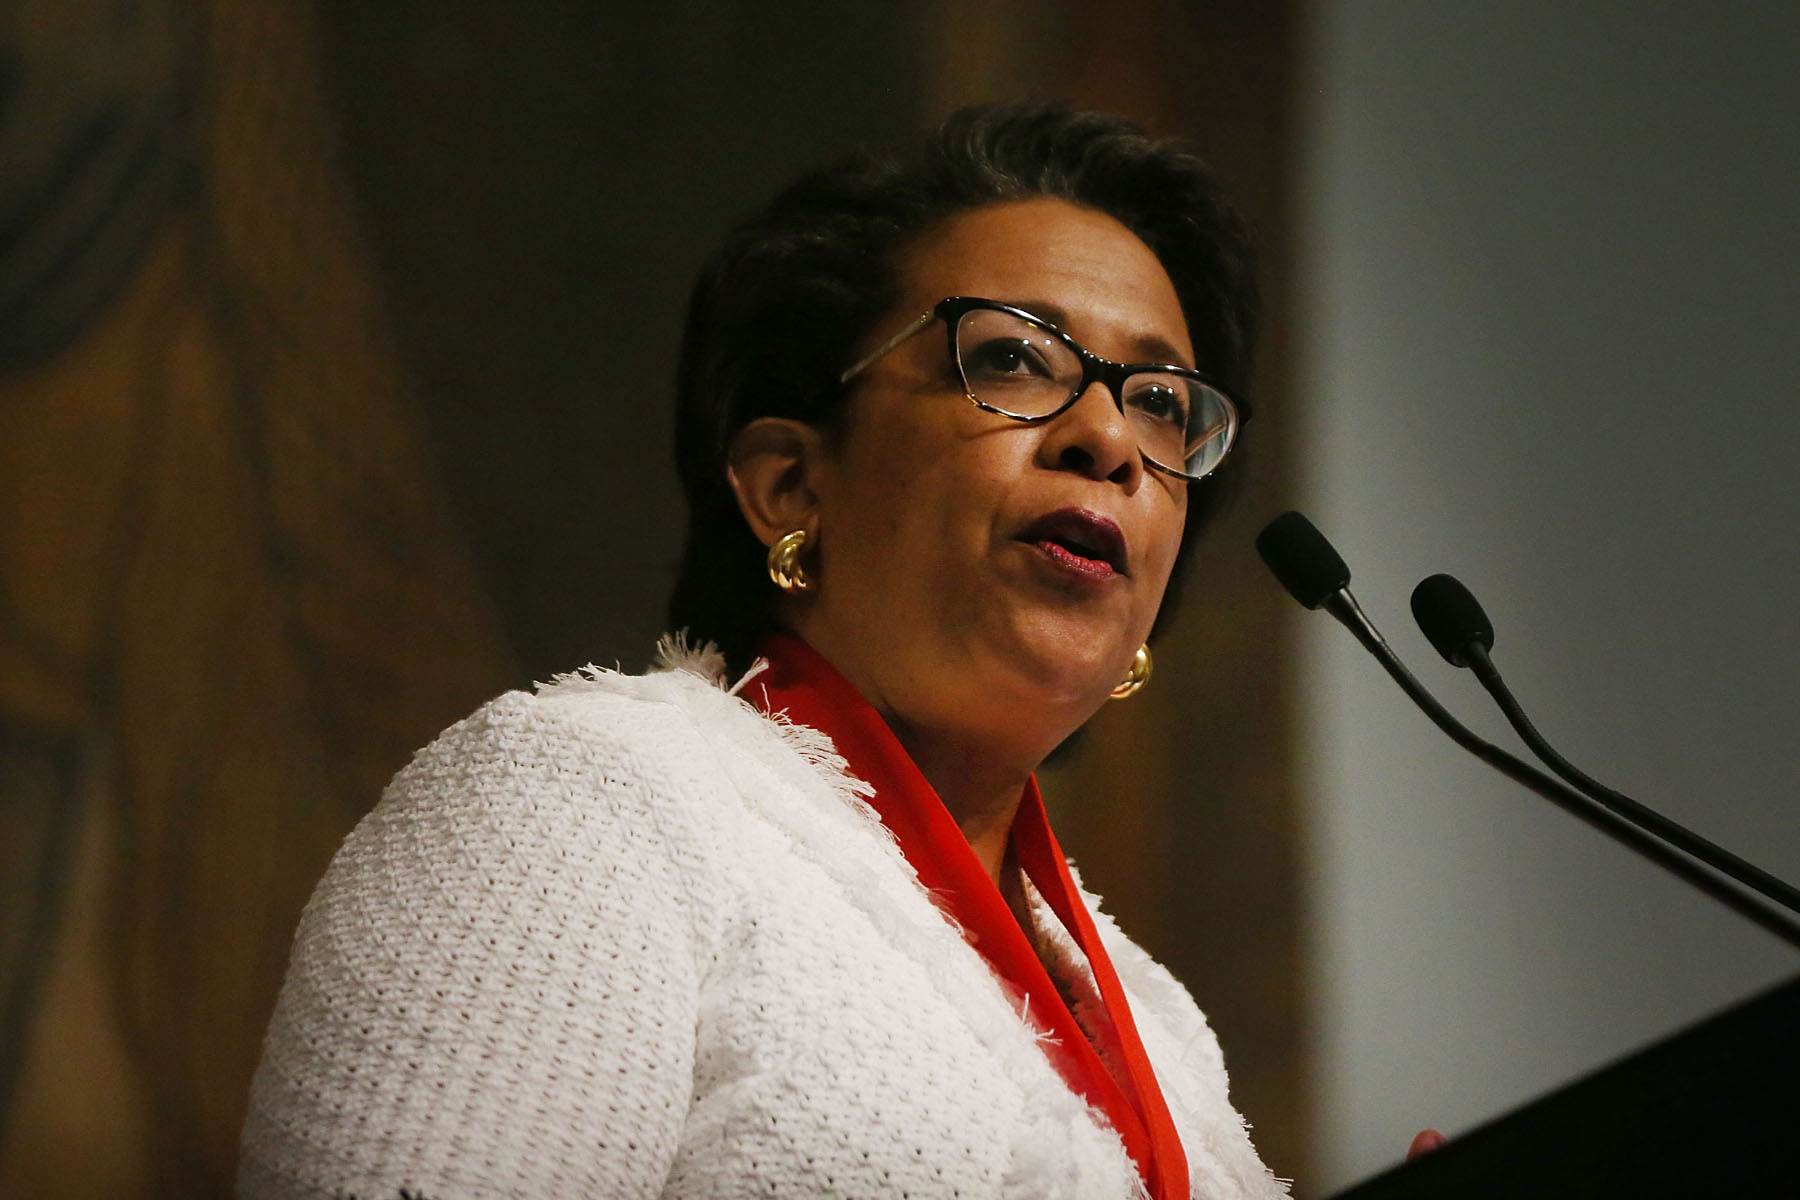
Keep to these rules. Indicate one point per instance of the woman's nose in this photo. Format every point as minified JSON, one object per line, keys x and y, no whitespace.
{"x":1093,"y":436}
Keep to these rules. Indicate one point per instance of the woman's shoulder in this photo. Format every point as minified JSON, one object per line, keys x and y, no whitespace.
{"x":591,"y":802}
{"x":586,"y":731}
{"x":683,"y":686}
{"x":534,"y":896}
{"x":595,"y":778}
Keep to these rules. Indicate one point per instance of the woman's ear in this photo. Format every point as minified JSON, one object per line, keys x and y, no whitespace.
{"x":774,"y":467}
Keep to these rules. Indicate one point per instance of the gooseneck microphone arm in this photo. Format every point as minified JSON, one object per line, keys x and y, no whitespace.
{"x":1312,"y":572}
{"x":1454,"y":622}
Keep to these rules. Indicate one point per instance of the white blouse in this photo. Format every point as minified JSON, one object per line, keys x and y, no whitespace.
{"x":628,"y":937}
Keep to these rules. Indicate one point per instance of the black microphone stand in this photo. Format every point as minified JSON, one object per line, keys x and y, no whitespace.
{"x":1315,"y":575}
{"x":1342,"y":605}
{"x":1454,"y":622}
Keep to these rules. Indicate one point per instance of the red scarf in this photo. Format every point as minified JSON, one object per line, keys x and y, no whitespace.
{"x":811,"y":691}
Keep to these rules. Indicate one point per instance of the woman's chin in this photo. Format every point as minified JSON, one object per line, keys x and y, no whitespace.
{"x":1065,"y":669}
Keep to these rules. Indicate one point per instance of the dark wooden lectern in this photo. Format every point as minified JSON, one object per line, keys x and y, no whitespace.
{"x":1713,"y":1111}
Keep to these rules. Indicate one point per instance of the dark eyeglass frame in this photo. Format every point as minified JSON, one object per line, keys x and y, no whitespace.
{"x":1094,"y":369}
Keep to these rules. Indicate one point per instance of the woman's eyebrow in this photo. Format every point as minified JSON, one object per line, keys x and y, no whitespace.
{"x":1149,"y":347}
{"x":1158,"y":350}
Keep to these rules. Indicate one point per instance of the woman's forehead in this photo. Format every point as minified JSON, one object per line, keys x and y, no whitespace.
{"x":1076,"y":267}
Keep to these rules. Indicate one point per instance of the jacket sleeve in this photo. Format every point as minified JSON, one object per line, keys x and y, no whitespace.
{"x":493,"y":989}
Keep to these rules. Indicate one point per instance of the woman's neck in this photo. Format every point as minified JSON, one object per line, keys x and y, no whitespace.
{"x":978,"y":766}
{"x":982,"y":796}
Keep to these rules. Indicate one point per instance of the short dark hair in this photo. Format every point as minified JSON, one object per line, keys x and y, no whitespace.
{"x":779,"y":308}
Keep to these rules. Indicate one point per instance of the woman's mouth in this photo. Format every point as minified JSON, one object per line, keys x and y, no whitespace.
{"x":1079,"y":541}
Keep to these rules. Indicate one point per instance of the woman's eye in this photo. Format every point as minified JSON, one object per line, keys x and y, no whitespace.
{"x":1008,"y":356}
{"x":1162,"y":402}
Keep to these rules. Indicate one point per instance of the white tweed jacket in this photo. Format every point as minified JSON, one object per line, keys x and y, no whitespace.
{"x":628,"y":937}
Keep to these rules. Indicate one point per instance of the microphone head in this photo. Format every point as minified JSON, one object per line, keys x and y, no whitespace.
{"x":1451,"y":618}
{"x":1302,"y":559}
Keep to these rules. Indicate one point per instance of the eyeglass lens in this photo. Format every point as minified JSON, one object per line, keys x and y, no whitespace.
{"x":1024,"y":370}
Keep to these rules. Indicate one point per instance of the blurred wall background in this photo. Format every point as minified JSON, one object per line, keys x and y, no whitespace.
{"x":1547,"y":298}
{"x":231,"y":594}
{"x":335,"y":349}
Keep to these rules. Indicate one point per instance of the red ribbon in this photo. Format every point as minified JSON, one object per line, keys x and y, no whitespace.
{"x":801,"y":682}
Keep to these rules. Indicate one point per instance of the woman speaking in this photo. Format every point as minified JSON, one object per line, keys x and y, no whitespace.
{"x":784,"y":917}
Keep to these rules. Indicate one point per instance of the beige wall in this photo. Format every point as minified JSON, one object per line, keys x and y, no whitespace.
{"x":1549,"y":348}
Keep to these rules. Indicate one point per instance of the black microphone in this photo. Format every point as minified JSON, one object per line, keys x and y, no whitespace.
{"x":1453,"y":621}
{"x":1302,"y":559}
{"x":1315,"y":575}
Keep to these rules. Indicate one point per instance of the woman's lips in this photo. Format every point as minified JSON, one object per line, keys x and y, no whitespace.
{"x":1063,"y":556}
{"x":1079,"y":541}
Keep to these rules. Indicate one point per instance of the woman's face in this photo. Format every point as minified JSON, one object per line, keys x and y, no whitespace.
{"x":946,"y":586}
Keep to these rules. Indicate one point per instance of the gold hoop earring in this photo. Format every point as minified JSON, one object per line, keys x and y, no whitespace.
{"x":784,"y":562}
{"x":1137,"y":677}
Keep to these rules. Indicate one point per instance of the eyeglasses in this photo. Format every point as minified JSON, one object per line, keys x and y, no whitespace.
{"x":1019,"y":366}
